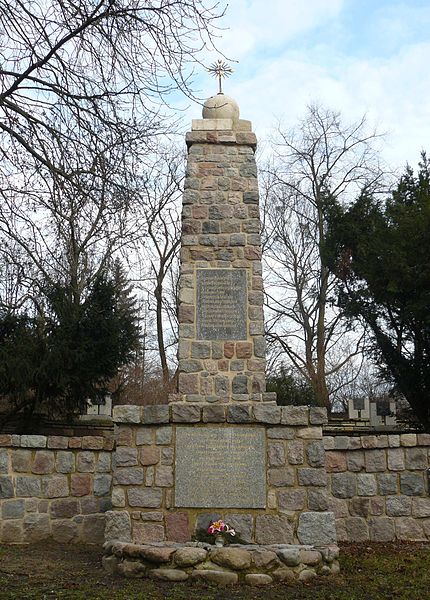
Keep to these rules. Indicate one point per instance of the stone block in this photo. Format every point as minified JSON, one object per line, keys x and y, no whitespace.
{"x":27,"y":486}
{"x":276,"y":454}
{"x":398,"y":506}
{"x":231,"y":558}
{"x":387,"y":483}
{"x":149,"y":455}
{"x":128,"y":476}
{"x":64,"y":531}
{"x":102,"y":484}
{"x":213,"y":414}
{"x":408,"y":439}
{"x":273,"y":529}
{"x":6,"y":487}
{"x":167,"y":456}
{"x":292,"y":500}
{"x":4,"y":461}
{"x":92,"y":442}
{"x":143,"y":437}
{"x":184,"y":413}
{"x":144,"y":497}
{"x":369,"y":441}
{"x":317,"y":528}
{"x":163,"y":435}
{"x":281,"y":477}
{"x":355,"y":460}
{"x":341,"y":442}
{"x":295,"y":415}
{"x":409,"y":530}
{"x":280,"y":433}
{"x":421,"y":507}
{"x":356,"y":529}
{"x":86,"y":462}
{"x":295,"y":452}
{"x":416,"y":459}
{"x":328,"y":442}
{"x":21,"y":460}
{"x":381,"y":529}
{"x":366,"y":484}
{"x":243,"y":525}
{"x":265,"y":559}
{"x":394,"y":441}
{"x":37,"y":527}
{"x":12,"y":532}
{"x":13,"y":509}
{"x":220,"y":578}
{"x":318,"y":415}
{"x":155,"y":414}
{"x":58,"y":442}
{"x":125,"y":457}
{"x":316,"y":453}
{"x":126,"y":414}
{"x":412,"y":484}
{"x":317,"y":500}
{"x":344,"y":485}
{"x":239,"y":414}
{"x":264,"y":413}
{"x":64,"y":461}
{"x":164,"y":476}
{"x":81,"y":484}
{"x":64,"y":508}
{"x":147,"y":533}
{"x":118,"y":497}
{"x":33,"y":441}
{"x":258,"y":579}
{"x":104,"y":463}
{"x":168,"y":574}
{"x":335,"y":461}
{"x":309,"y":433}
{"x":178,"y":530}
{"x":396,"y":459}
{"x":359,"y":507}
{"x":117,"y":526}
{"x":313,"y":477}
{"x":55,"y":486}
{"x":375,"y":461}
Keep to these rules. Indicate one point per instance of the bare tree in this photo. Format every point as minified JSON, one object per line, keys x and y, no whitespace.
{"x":321,"y":159}
{"x":160,"y":190}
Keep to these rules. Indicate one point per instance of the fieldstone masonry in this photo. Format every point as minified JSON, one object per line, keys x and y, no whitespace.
{"x":54,"y":487}
{"x":221,"y":342}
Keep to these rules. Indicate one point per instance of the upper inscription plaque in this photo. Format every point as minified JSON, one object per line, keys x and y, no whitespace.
{"x":220,"y":467}
{"x":221,"y":304}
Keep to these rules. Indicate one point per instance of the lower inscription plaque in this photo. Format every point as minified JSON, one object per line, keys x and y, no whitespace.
{"x":220,"y":467}
{"x":221,"y":304}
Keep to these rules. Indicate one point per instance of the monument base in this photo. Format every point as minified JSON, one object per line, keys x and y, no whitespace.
{"x":236,"y":564}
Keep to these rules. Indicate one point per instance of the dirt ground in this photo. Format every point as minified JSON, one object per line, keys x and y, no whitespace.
{"x":369,"y":572}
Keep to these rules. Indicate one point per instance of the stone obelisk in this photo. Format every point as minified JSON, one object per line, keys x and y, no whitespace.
{"x":221,"y":334}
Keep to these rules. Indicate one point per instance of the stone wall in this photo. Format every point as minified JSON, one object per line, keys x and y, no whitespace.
{"x":378,"y":486}
{"x":144,"y":479}
{"x":221,"y":240}
{"x":54,"y":487}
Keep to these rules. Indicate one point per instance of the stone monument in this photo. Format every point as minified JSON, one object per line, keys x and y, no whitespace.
{"x":221,"y":448}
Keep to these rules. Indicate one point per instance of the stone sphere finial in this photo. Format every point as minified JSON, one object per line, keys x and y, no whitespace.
{"x":221,"y":107}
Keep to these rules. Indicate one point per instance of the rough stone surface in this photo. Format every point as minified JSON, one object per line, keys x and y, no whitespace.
{"x":168,"y":574}
{"x":232,"y":558}
{"x":188,"y":557}
{"x":218,"y":577}
{"x":118,"y":526}
{"x":317,"y":528}
{"x":273,"y":530}
{"x":258,"y":579}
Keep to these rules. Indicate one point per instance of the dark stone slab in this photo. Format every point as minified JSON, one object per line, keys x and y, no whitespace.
{"x":220,"y":467}
{"x":221,"y":304}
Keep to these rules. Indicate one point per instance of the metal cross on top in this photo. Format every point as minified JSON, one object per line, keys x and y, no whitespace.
{"x":220,"y":69}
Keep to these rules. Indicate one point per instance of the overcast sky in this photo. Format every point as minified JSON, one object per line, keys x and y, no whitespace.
{"x":353,"y":56}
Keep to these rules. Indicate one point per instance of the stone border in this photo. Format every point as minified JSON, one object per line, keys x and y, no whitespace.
{"x":267,"y":413}
{"x":57,"y":442}
{"x":252,"y":565}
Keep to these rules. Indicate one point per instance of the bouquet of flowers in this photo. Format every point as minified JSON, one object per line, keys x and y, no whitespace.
{"x":219,"y":529}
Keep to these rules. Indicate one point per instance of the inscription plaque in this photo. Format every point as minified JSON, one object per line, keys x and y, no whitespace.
{"x":221,"y":304}
{"x":220,"y":467}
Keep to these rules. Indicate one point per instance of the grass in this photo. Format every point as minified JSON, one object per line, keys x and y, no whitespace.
{"x":54,"y":572}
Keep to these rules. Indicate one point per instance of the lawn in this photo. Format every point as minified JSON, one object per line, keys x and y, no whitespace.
{"x":369,"y":572}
